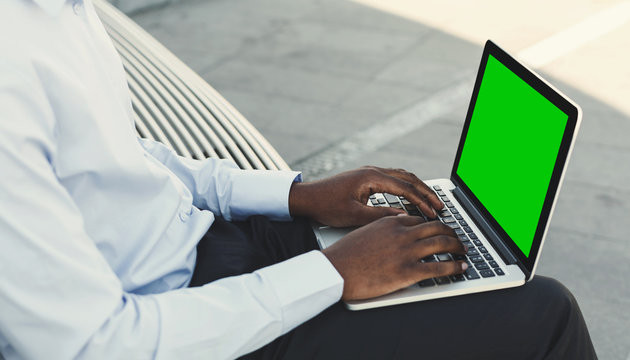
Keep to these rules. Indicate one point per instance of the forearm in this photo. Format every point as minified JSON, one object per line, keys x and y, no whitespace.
{"x":221,"y":320}
{"x":221,"y":187}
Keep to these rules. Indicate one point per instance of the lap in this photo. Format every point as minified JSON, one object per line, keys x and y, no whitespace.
{"x":535,"y":321}
{"x":538,"y":320}
{"x":234,"y":248}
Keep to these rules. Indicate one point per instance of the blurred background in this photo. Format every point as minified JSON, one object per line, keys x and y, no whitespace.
{"x":335,"y":84}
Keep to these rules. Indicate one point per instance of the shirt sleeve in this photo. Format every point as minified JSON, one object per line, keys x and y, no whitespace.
{"x":60,"y":299}
{"x":220,"y":186}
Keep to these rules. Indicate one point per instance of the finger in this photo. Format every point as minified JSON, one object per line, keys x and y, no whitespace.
{"x":409,"y":221}
{"x":366,"y":214}
{"x":423,"y":188}
{"x":428,"y":229}
{"x":439,"y":269}
{"x":393,"y":185}
{"x":438,"y":245}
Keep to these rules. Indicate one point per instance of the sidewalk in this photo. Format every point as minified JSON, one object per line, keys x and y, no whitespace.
{"x":310,"y":74}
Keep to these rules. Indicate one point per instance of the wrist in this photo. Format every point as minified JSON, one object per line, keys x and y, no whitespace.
{"x":298,"y":199}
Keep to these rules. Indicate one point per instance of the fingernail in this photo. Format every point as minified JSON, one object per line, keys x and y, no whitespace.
{"x":464,"y":266}
{"x":434,"y":212}
{"x":402,"y":214}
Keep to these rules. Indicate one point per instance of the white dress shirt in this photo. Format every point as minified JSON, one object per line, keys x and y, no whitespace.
{"x":98,"y":229}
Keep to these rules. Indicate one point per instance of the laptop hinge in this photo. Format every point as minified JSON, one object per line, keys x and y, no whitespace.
{"x":490,"y":234}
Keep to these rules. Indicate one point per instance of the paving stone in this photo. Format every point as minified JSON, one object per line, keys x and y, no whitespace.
{"x":593,"y":268}
{"x":272,"y":79}
{"x":435,"y":63}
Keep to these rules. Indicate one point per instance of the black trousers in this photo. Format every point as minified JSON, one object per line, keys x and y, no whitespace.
{"x":540,"y":320}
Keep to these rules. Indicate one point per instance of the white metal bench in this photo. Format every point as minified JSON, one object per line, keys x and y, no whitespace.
{"x":174,"y":105}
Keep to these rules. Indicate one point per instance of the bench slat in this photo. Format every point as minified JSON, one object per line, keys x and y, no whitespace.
{"x":174,"y":105}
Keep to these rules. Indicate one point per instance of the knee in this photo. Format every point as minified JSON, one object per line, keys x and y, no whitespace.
{"x":560,"y":302}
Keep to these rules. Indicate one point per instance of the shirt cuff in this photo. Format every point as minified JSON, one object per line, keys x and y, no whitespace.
{"x":304,"y":285}
{"x":262,"y":192}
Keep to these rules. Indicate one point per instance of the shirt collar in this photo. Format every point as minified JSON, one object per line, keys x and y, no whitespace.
{"x":51,"y":7}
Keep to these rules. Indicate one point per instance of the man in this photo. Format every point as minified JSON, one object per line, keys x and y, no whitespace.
{"x":115,"y":247}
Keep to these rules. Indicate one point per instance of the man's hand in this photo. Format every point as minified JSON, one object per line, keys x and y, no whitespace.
{"x":384,"y":256}
{"x":341,"y":200}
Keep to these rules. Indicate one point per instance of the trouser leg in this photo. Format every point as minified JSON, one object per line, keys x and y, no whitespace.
{"x":540,"y":320}
{"x":234,"y":248}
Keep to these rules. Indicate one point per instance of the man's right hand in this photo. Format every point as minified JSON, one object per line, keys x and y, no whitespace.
{"x":384,"y":256}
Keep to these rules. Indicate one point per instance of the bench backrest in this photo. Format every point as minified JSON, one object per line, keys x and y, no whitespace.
{"x":174,"y":105}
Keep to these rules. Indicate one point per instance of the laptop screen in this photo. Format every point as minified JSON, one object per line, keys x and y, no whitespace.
{"x":513,"y":151}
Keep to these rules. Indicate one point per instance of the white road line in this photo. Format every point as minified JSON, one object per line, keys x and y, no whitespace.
{"x":382,"y":133}
{"x":577,"y":35}
{"x":422,"y":113}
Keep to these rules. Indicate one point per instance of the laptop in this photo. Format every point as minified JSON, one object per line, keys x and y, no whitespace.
{"x":513,"y":151}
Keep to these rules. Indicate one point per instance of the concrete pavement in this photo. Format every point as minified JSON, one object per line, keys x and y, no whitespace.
{"x":311,"y":73}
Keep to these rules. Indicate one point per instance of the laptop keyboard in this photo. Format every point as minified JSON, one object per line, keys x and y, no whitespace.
{"x":481,"y":264}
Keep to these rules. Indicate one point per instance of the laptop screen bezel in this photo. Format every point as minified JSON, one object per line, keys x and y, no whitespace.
{"x":560,"y":101}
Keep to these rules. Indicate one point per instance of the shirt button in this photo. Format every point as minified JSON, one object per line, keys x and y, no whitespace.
{"x":76,"y":7}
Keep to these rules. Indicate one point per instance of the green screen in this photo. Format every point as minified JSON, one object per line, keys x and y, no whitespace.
{"x":510,"y":151}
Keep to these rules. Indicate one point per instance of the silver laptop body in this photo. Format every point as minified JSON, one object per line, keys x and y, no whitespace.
{"x":534,"y":126}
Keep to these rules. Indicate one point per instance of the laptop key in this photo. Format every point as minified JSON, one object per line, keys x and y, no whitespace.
{"x":458,"y":257}
{"x":448,"y":219}
{"x":468,"y":229}
{"x":487,"y":273}
{"x":459,"y":231}
{"x":473,"y":236}
{"x":499,"y":271}
{"x":374,"y":202}
{"x":427,"y":283}
{"x":443,"y":280}
{"x":488,"y":257}
{"x":457,"y":278}
{"x":463,"y":237}
{"x":454,"y":211}
{"x":493,"y":264}
{"x":482,"y":266}
{"x":472,"y":251}
{"x":396,"y":205}
{"x":437,"y":187}
{"x":471,"y":274}
{"x":443,"y":257}
{"x":392,"y":199}
{"x":468,"y":244}
{"x":458,"y":216}
{"x":410,"y":207}
{"x":415,"y":212}
{"x":463,"y":223}
{"x":476,"y":259}
{"x":381,"y":200}
{"x":453,"y":225}
{"x":449,"y":204}
{"x":475,"y":240}
{"x":483,"y":249}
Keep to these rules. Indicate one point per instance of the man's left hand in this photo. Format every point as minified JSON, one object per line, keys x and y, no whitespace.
{"x":341,"y":200}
